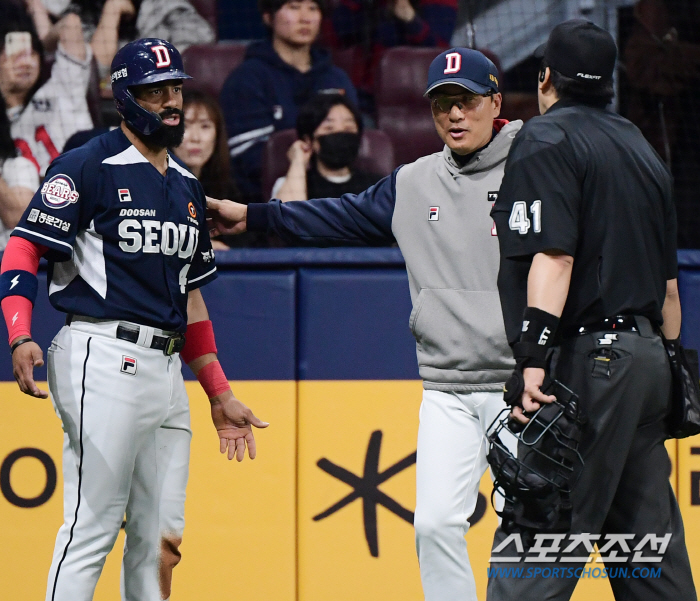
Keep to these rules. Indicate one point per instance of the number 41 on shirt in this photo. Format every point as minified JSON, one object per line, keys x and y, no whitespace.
{"x":519,"y":220}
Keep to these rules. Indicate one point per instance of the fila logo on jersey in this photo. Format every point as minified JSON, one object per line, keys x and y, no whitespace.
{"x":128,"y":365}
{"x":162,"y":56}
{"x":454,"y":63}
{"x":59,"y":192}
{"x":434,"y":214}
{"x":124,"y":195}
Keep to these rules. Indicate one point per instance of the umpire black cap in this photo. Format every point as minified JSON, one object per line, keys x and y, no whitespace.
{"x":580,"y":50}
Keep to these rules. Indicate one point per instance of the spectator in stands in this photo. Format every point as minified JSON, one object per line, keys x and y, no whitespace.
{"x":375,"y":25}
{"x":109,"y":24}
{"x":663,"y":72}
{"x":277,"y":77}
{"x":18,"y":180}
{"x":320,"y":162}
{"x":43,"y":117}
{"x":204,"y":152}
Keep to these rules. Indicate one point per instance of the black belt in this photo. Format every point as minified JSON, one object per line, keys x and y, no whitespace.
{"x":618,"y":323}
{"x":168,"y":344}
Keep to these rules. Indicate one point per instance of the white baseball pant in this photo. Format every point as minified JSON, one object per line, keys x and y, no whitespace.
{"x":451,"y":460}
{"x":125,"y":417}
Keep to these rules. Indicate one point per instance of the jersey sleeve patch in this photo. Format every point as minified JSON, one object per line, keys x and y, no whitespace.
{"x":59,"y":192}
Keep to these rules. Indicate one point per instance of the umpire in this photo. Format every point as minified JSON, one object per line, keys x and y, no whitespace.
{"x":587,"y":233}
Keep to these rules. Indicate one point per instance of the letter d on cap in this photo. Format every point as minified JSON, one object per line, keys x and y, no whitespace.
{"x":454,"y":63}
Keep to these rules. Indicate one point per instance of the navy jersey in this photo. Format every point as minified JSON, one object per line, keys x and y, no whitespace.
{"x":125,"y":242}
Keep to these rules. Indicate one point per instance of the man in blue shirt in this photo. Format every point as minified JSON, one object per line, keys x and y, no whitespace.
{"x":277,"y":77}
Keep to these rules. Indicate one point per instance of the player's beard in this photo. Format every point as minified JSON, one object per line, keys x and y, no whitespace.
{"x":166,"y":136}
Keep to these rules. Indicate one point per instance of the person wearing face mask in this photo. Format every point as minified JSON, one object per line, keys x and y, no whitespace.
{"x":320,"y":161}
{"x":277,"y":77}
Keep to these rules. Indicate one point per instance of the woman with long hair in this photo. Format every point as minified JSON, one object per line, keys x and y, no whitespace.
{"x":204,"y":151}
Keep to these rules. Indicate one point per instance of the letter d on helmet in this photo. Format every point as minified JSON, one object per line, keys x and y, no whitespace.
{"x":145,"y":61}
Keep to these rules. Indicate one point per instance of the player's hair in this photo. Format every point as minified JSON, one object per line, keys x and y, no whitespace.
{"x":272,"y":6}
{"x":312,"y":114}
{"x":215,"y":177}
{"x":583,"y":92}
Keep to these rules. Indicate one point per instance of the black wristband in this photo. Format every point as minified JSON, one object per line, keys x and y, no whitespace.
{"x":539,"y":327}
{"x":19,"y":343}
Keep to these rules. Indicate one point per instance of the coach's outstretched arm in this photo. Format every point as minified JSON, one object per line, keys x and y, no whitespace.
{"x":362,"y":219}
{"x":232,"y":419}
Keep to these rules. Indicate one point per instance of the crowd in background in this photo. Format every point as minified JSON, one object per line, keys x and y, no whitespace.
{"x":55,"y":58}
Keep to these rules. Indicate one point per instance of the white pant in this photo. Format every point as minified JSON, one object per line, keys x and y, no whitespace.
{"x":126,"y":451}
{"x":451,"y":460}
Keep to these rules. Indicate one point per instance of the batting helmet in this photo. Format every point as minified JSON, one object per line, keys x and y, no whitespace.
{"x":145,"y":61}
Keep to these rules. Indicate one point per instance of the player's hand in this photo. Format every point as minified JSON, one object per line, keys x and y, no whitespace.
{"x":233,"y":421}
{"x":226,"y":217}
{"x":532,"y":397}
{"x":24,"y":359}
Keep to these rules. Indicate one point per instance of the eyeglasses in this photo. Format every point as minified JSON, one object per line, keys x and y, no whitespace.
{"x":443,"y":103}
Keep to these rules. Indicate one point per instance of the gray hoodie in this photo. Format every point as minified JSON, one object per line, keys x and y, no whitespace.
{"x":439,"y":214}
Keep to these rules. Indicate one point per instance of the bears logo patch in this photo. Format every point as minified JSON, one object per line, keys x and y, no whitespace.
{"x":59,"y":192}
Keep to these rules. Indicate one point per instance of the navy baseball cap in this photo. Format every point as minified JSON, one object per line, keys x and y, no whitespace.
{"x":580,"y":50}
{"x":464,"y":67}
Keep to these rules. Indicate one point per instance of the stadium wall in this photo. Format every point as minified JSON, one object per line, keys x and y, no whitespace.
{"x":317,"y":342}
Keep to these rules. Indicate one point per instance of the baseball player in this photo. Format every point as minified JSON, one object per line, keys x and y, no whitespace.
{"x":437,"y":209}
{"x":122,"y":225}
{"x":587,"y":232}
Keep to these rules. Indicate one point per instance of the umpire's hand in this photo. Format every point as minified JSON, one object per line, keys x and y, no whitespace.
{"x":24,"y":358}
{"x":233,"y":421}
{"x":532,"y":396}
{"x":226,"y":217}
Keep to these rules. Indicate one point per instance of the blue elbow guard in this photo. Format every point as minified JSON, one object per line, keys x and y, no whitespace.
{"x":17,"y":282}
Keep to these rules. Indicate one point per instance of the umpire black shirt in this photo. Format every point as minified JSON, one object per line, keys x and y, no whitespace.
{"x":583,"y":180}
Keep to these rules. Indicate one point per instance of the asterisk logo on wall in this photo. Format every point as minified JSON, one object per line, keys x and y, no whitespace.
{"x":366,"y":487}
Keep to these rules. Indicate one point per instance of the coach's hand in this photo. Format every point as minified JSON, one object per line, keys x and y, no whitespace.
{"x":24,"y":359}
{"x":532,"y":397}
{"x":233,"y":421}
{"x":226,"y":217}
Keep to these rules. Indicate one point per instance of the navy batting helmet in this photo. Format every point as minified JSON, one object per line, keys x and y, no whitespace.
{"x":145,"y":61}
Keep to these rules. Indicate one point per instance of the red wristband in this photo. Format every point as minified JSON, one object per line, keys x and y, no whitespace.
{"x":213,"y":379}
{"x":199,"y":340}
{"x":18,"y":316}
{"x":23,"y":255}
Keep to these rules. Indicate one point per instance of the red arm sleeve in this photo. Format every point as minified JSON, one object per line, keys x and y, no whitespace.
{"x":17,"y":310}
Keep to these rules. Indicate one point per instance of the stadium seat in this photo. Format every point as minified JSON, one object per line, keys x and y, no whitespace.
{"x":210,"y":64}
{"x":402,"y":111}
{"x":376,"y":156}
{"x":207,"y":8}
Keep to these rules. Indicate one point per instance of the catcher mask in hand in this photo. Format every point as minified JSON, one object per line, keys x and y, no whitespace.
{"x":537,"y":483}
